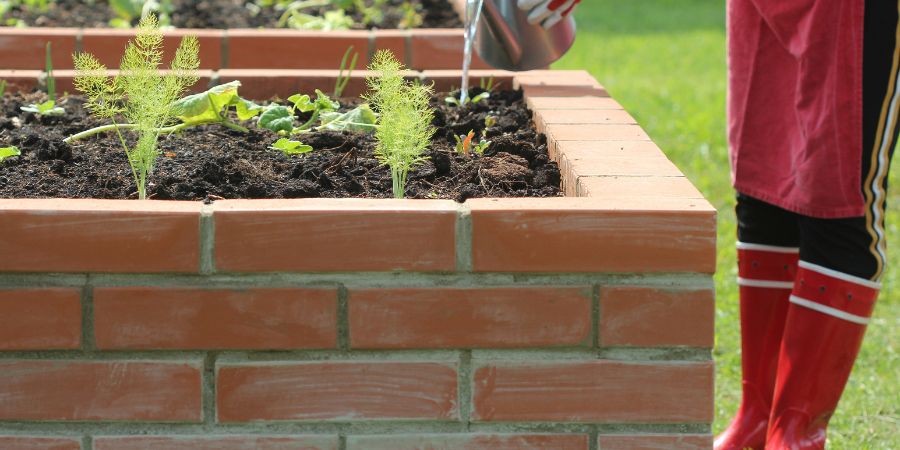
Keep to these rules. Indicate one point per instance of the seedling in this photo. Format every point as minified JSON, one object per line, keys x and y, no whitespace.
{"x":335,"y":18}
{"x":49,"y":107}
{"x":490,"y":121}
{"x":290,"y":148}
{"x":129,"y":10}
{"x":140,"y":93}
{"x":280,"y":119}
{"x":341,"y":83}
{"x":487,"y":85}
{"x":2,"y":87}
{"x":8,"y":152}
{"x":411,"y":15}
{"x":404,"y":125}
{"x":465,"y":143}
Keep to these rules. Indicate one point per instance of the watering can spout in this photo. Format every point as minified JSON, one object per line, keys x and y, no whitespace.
{"x":506,"y":40}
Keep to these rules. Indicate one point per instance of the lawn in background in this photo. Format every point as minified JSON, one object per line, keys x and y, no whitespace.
{"x":664,"y":60}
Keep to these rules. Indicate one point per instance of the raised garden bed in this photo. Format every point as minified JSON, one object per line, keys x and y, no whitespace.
{"x":249,"y":48}
{"x":574,"y":322}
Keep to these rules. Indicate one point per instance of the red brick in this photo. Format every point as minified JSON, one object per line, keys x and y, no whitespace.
{"x":216,"y":443}
{"x":335,"y":235}
{"x":261,"y":84}
{"x":470,"y":318}
{"x":586,"y":235}
{"x":441,"y":49}
{"x":647,"y":317}
{"x":337,"y":391}
{"x":470,"y":442}
{"x":25,"y":48}
{"x":40,"y":319}
{"x":548,"y":117}
{"x":556,"y":90}
{"x":573,"y":150}
{"x":100,"y":391}
{"x":108,"y":45}
{"x":38,"y":443}
{"x":583,"y":102}
{"x":293,"y":49}
{"x":656,"y":442}
{"x":535,"y":78}
{"x":595,"y":132}
{"x":20,"y":80}
{"x":595,"y":391}
{"x":624,"y":186}
{"x":394,"y":40}
{"x":159,"y":318}
{"x":68,"y":235}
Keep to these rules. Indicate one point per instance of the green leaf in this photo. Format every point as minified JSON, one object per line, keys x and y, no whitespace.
{"x":289,"y":147}
{"x":246,"y":109}
{"x":127,"y":10}
{"x":480,"y":97}
{"x":324,"y":103}
{"x":302,"y":102}
{"x":207,"y":106}
{"x":47,"y":108}
{"x":277,"y":118}
{"x":6,"y":152}
{"x":360,"y":119}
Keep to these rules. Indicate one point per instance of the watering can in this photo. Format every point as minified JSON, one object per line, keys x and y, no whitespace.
{"x":506,"y":40}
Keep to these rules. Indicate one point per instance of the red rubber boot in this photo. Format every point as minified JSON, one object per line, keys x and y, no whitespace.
{"x":765,"y":277}
{"x":824,"y":330}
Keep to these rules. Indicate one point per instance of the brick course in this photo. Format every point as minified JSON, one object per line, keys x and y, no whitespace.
{"x":368,"y":324}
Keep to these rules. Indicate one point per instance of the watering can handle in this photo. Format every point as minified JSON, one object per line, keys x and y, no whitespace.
{"x":502,"y":32}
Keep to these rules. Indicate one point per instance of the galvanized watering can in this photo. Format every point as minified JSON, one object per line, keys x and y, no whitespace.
{"x":507,"y":41}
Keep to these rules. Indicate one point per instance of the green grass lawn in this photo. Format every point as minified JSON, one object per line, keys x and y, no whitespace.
{"x":664,"y":60}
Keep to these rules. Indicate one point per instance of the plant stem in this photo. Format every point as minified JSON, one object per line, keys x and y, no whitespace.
{"x":165,"y":130}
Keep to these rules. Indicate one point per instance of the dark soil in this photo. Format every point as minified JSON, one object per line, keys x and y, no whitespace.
{"x":215,"y":162}
{"x":218,"y":14}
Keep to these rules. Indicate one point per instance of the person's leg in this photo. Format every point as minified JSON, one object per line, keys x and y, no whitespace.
{"x":768,"y":240}
{"x":841,"y":262}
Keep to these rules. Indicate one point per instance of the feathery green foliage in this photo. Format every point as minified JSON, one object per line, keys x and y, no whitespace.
{"x":140,"y":93}
{"x":404,"y":125}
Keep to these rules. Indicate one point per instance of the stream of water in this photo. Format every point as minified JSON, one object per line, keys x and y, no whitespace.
{"x":473,"y":14}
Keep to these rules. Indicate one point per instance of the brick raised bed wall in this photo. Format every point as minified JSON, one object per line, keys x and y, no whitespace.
{"x":576,"y":323}
{"x":419,"y":49}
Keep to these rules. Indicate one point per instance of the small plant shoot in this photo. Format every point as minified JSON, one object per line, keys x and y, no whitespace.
{"x":486,"y":84}
{"x":47,"y":108}
{"x":291,"y":148}
{"x":9,"y":152}
{"x":140,"y":94}
{"x":404,"y":125}
{"x":342,"y":80}
{"x":2,"y":87}
{"x":465,"y":144}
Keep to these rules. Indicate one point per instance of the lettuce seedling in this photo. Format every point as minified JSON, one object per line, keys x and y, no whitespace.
{"x":280,"y":118}
{"x":290,"y":148}
{"x":411,"y":15}
{"x":8,"y":152}
{"x":210,"y":107}
{"x":49,"y":107}
{"x":404,"y":125}
{"x":361,"y":118}
{"x":140,"y":93}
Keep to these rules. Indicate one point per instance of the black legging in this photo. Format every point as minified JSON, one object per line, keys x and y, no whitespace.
{"x":853,"y":245}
